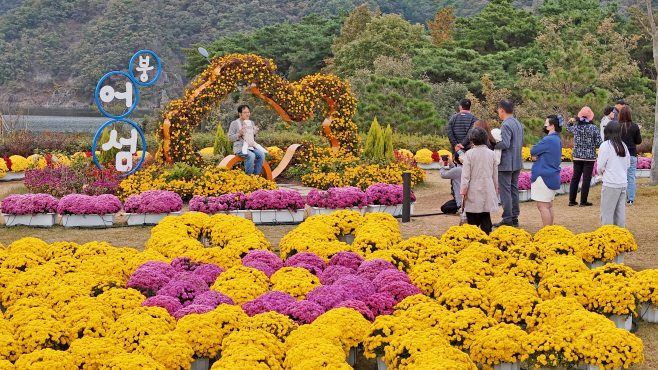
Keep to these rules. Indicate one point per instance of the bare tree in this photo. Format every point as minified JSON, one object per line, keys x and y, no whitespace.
{"x":648,"y":21}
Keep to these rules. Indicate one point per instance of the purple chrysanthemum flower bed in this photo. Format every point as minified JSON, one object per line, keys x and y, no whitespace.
{"x":153,"y":201}
{"x":380,"y":303}
{"x":304,"y":312}
{"x":370,"y":269}
{"x":307,"y":259}
{"x":169,"y":303}
{"x":386,"y":194}
{"x":266,"y":257}
{"x":327,"y":296}
{"x":333,"y":273}
{"x":348,"y":259}
{"x":388,"y":276}
{"x":212,"y":298}
{"x":400,"y":290}
{"x":359,"y":306}
{"x":356,"y":287}
{"x":182,"y":264}
{"x":29,"y":204}
{"x":208,"y":272}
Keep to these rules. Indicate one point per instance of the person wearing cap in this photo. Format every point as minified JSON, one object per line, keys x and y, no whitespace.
{"x":547,"y":155}
{"x":620,"y":103}
{"x":587,"y":138}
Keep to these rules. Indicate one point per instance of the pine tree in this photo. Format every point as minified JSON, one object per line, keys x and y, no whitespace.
{"x":107,"y":156}
{"x":375,"y":141}
{"x":388,"y":144}
{"x":222,"y":143}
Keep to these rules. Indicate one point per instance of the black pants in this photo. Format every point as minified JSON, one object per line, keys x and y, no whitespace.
{"x":584,"y":169}
{"x":481,"y":220}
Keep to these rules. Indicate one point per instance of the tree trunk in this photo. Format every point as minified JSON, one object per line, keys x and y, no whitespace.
{"x":654,"y":149}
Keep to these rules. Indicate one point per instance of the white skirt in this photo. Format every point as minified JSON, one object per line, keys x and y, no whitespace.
{"x":540,"y":192}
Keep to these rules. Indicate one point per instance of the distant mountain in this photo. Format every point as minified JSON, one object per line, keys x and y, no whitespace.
{"x":52,"y":53}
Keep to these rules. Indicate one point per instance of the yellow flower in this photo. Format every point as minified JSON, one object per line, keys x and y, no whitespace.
{"x":46,"y":359}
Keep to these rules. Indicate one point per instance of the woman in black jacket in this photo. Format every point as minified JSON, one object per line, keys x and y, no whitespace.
{"x":630,"y":134}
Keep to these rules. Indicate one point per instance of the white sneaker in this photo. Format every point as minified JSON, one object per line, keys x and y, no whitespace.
{"x":629,"y":203}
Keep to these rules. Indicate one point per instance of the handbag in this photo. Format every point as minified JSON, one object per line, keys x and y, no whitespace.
{"x":463,"y":220}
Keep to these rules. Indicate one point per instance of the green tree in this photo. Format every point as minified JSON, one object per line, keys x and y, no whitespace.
{"x":107,"y":155}
{"x":401,"y":103}
{"x":389,"y":154}
{"x":385,"y":35}
{"x":222,"y":145}
{"x":375,"y":142}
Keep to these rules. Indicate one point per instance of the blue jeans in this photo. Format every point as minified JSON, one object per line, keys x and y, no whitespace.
{"x":249,"y":158}
{"x":630,"y":191}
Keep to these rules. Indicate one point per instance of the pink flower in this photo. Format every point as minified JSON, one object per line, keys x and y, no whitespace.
{"x":304,"y":312}
{"x":359,"y":306}
{"x":348,"y":259}
{"x":170,"y":304}
{"x":154,"y":201}
{"x":386,"y":194}
{"x":335,"y":198}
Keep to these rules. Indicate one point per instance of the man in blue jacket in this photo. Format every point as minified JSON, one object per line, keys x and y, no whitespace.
{"x":511,"y":163}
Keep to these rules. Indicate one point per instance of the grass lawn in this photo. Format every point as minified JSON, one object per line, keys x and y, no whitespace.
{"x":641,"y":220}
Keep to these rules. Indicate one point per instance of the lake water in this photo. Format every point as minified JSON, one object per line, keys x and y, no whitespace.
{"x":63,"y":120}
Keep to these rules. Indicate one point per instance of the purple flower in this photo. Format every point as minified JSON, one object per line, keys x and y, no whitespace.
{"x":566,"y":174}
{"x":400,"y":290}
{"x":333,"y":273}
{"x":359,"y":306}
{"x":170,"y":304}
{"x":195,"y":308}
{"x":195,"y":280}
{"x":160,"y":266}
{"x":370,"y":269}
{"x":388,"y":276}
{"x":264,"y":256}
{"x":356,"y":287}
{"x":386,"y":194}
{"x":304,"y":312}
{"x":644,"y":163}
{"x":524,"y":180}
{"x":253,"y":308}
{"x":327,"y":296}
{"x":208,"y":272}
{"x":181,"y":264}
{"x":154,"y":201}
{"x":305,"y":258}
{"x":275,"y":199}
{"x":184,"y":291}
{"x":221,"y":204}
{"x":147,"y":280}
{"x":212,"y":298}
{"x":261,"y":266}
{"x":315,"y":270}
{"x":348,"y":259}
{"x":80,"y":204}
{"x":278,"y":301}
{"x":333,"y":198}
{"x":380,"y":303}
{"x":29,"y":204}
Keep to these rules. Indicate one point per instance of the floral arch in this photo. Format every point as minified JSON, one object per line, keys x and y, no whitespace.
{"x":294,"y":101}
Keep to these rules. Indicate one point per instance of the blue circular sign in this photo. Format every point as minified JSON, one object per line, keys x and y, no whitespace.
{"x":93,"y":145}
{"x":144,"y":66}
{"x":107,"y":94}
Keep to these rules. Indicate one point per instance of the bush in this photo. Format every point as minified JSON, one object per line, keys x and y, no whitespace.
{"x":646,"y":146}
{"x":415,"y":143}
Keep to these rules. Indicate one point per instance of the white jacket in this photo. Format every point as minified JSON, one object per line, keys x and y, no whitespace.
{"x":613,"y":167}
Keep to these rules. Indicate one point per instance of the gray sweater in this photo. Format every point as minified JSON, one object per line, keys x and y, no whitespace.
{"x":234,"y":135}
{"x":454,"y":174}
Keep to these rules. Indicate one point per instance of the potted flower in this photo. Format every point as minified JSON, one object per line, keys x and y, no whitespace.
{"x":348,"y":198}
{"x":566,"y":174}
{"x":643,"y":167}
{"x":275,"y":206}
{"x":30,"y":210}
{"x":524,"y":186}
{"x":232,"y":203}
{"x":599,"y":352}
{"x":387,"y":198}
{"x":86,"y":210}
{"x":13,"y":168}
{"x":151,"y":206}
{"x":502,"y":347}
{"x":646,"y":287}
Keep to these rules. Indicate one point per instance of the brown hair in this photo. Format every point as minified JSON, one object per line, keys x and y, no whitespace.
{"x":485,"y":125}
{"x":625,"y":119}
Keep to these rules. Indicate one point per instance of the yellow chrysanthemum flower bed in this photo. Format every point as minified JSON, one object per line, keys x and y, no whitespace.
{"x":424,"y":156}
{"x":67,"y":305}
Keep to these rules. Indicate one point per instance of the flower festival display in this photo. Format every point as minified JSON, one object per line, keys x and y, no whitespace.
{"x":86,"y":210}
{"x":30,"y":210}
{"x":347,"y":198}
{"x":387,"y":198}
{"x":232,"y":203}
{"x":524,"y":186}
{"x":274,"y":206}
{"x":13,"y":168}
{"x":462,"y":301}
{"x":152,"y":206}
